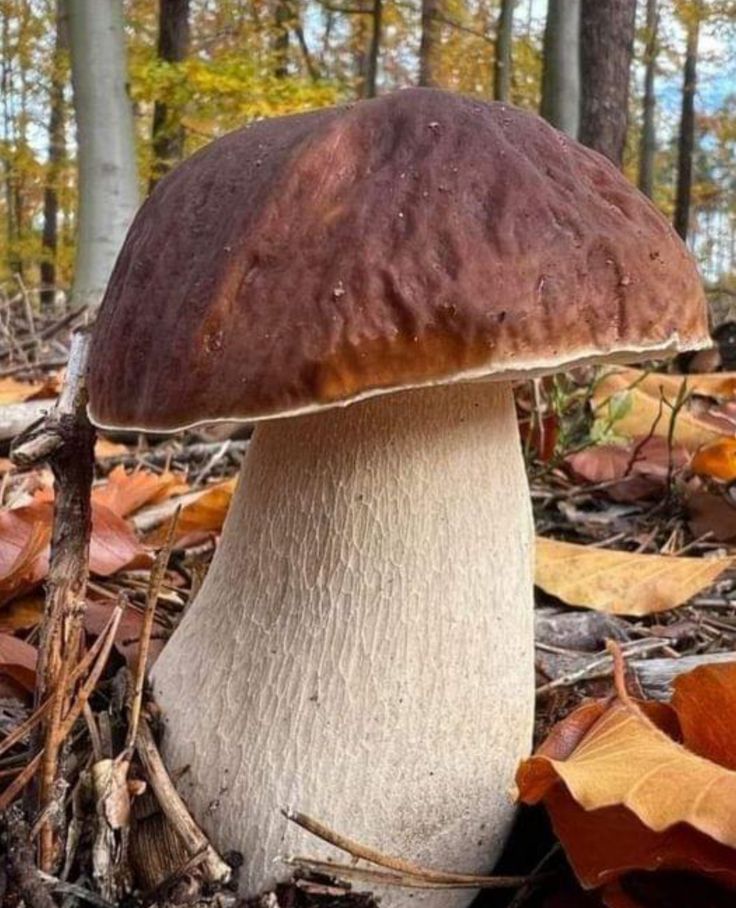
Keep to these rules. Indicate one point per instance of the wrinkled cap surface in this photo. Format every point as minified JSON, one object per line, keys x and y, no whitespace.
{"x":419,"y":238}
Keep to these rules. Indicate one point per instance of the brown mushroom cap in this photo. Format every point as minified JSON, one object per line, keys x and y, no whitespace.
{"x":424,"y":237}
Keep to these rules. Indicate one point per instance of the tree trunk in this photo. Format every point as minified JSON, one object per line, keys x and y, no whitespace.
{"x":173,"y":46}
{"x":108,"y":190}
{"x":686,"y":141}
{"x":428,"y":44}
{"x":561,"y":72}
{"x":371,"y":77}
{"x":502,"y":60}
{"x":648,"y":148}
{"x":57,"y":153}
{"x":606,"y":48}
{"x":282,"y":19}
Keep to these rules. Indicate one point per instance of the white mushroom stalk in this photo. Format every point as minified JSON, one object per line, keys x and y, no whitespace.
{"x":361,"y":650}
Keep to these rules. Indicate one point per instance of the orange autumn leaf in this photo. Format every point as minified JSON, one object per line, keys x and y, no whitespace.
{"x":717,"y":460}
{"x":621,"y":583}
{"x":113,"y":544}
{"x":13,"y":391}
{"x":18,"y":661}
{"x":631,"y":400}
{"x":200,"y":518}
{"x":25,"y":534}
{"x":705,"y":702}
{"x":124,"y":493}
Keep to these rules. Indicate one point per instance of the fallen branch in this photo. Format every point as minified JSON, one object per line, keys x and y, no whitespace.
{"x":65,"y":438}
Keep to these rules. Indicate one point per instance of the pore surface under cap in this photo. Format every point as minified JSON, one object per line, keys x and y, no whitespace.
{"x":422,"y":237}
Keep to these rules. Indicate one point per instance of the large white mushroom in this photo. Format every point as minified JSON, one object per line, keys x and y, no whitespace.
{"x":362,"y":647}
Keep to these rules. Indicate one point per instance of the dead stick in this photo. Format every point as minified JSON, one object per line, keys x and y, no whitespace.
{"x":215,"y":869}
{"x":66,"y":439}
{"x":407,"y":880}
{"x":154,"y":590}
{"x":367,"y":853}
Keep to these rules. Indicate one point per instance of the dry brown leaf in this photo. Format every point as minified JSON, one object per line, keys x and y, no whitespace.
{"x":97,"y":617}
{"x":645,"y":415}
{"x":124,"y":493}
{"x":21,"y":614}
{"x":705,"y":702}
{"x":13,"y":391}
{"x":113,"y":544}
{"x":106,"y":448}
{"x":199,"y":519}
{"x":18,"y":661}
{"x":711,"y":513}
{"x":634,"y":471}
{"x":621,"y":583}
{"x":24,"y":542}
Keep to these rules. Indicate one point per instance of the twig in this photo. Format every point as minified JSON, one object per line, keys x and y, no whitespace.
{"x":154,"y":590}
{"x":66,"y":439}
{"x":215,"y":869}
{"x":404,"y":868}
{"x":20,"y":866}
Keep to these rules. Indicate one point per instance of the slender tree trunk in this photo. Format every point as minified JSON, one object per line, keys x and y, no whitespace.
{"x":282,"y":21}
{"x":108,"y":190}
{"x":173,"y":46}
{"x":648,"y":148}
{"x":502,"y":59}
{"x":428,"y":44}
{"x":561,"y":72}
{"x":686,"y":141}
{"x":606,"y":49}
{"x":57,"y":154}
{"x":371,"y":77}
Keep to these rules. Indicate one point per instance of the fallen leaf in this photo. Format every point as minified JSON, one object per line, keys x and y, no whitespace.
{"x":124,"y":493}
{"x":711,"y":513}
{"x":96,"y":619}
{"x":198,"y":519}
{"x":24,"y":543}
{"x":625,"y":795}
{"x":113,"y":544}
{"x":13,"y":391}
{"x":106,"y":448}
{"x":622,"y":583}
{"x":21,"y":614}
{"x":717,"y":460}
{"x":630,"y":400}
{"x":18,"y":661}
{"x":634,"y":471}
{"x":705,"y":702}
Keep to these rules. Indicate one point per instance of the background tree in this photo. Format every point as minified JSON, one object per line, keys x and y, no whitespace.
{"x":606,"y":49}
{"x":561,"y":73}
{"x":108,"y":181}
{"x":502,"y":57}
{"x":648,"y":145}
{"x":691,"y":15}
{"x":428,"y":43}
{"x":167,"y":134}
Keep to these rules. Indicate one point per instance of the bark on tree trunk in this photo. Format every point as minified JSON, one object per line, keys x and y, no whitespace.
{"x":173,"y":46}
{"x":428,"y":44}
{"x":648,"y":148}
{"x":108,"y":190}
{"x":561,"y":73}
{"x":282,"y":19}
{"x":686,"y":141}
{"x":371,"y":77}
{"x":57,"y":153}
{"x":502,"y":60}
{"x":606,"y":48}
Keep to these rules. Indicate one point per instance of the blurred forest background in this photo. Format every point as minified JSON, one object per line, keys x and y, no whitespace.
{"x":651,"y":84}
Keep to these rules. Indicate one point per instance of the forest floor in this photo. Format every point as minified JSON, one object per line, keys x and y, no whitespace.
{"x":631,"y":474}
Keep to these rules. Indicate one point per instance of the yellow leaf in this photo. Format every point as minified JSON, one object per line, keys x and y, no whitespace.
{"x":626,"y":760}
{"x":632,"y":400}
{"x":622,"y":583}
{"x":202,"y":517}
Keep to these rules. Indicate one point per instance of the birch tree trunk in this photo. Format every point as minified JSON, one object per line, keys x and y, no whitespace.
{"x":686,"y":140}
{"x":648,"y":147}
{"x":561,"y":73}
{"x":173,"y":46}
{"x":606,"y":48}
{"x":502,"y":59}
{"x":57,"y":153}
{"x":108,"y":188}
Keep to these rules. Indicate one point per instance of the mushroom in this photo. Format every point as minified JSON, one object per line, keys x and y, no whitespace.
{"x":364,"y":283}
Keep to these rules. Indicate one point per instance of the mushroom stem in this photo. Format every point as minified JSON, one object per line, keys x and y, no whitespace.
{"x":361,"y":649}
